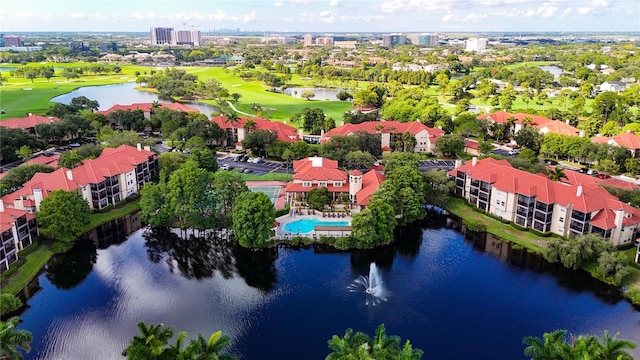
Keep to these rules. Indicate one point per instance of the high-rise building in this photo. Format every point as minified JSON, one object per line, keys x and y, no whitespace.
{"x":325,"y":41}
{"x":476,"y":44}
{"x":423,"y":39}
{"x":12,"y":41}
{"x":393,"y":40}
{"x":186,"y":37}
{"x":308,"y":40}
{"x":161,"y":36}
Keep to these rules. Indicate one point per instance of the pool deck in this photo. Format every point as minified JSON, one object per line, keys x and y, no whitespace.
{"x":285,"y":219}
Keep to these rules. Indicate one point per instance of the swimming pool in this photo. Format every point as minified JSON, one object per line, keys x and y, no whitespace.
{"x":305,"y":226}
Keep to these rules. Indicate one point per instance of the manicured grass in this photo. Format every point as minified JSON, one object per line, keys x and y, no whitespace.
{"x":256,"y":92}
{"x":524,"y":238}
{"x":267,"y":177}
{"x":33,"y":263}
{"x":101,"y":218}
{"x":531,"y":63}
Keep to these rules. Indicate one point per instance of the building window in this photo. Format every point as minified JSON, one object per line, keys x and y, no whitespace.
{"x":306,"y":184}
{"x":561,"y":219}
{"x":337,"y":183}
{"x":322,"y":184}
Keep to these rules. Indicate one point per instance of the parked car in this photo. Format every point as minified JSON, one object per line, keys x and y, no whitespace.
{"x":604,"y":176}
{"x":225,"y":167}
{"x":246,"y":171}
{"x":236,"y":159}
{"x":257,"y":160}
{"x":513,"y":152}
{"x":244,"y":158}
{"x":592,"y":172}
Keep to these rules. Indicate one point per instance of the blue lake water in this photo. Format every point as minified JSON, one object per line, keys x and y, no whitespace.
{"x":305,"y":226}
{"x":123,"y":94}
{"x":454,"y":296}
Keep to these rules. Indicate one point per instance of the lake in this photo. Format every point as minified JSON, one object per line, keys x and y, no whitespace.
{"x":455,"y":296}
{"x":554,"y":70}
{"x":124,"y":94}
{"x":321,"y":93}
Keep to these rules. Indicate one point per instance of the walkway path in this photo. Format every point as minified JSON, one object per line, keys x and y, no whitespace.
{"x":238,"y":111}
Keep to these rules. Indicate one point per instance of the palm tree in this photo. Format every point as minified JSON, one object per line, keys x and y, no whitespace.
{"x":409,"y":141}
{"x":349,"y":346}
{"x":10,"y":339}
{"x":552,"y":346}
{"x":614,"y":349}
{"x":383,"y":346}
{"x":232,"y":118}
{"x":557,"y":174}
{"x":208,"y":349}
{"x":150,"y":343}
{"x":250,"y":124}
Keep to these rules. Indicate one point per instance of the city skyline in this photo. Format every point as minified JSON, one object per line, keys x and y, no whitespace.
{"x":324,"y":15}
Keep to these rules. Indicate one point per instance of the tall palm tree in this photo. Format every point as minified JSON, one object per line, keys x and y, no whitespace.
{"x":250,"y":124}
{"x":350,"y":346}
{"x":409,"y":141}
{"x":11,"y":339}
{"x":232,"y":118}
{"x":557,"y":174}
{"x":614,"y":349}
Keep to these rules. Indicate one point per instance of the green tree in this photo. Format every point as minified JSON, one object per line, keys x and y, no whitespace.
{"x":438,"y":187}
{"x":63,"y":215}
{"x":308,"y":94}
{"x":227,"y":185}
{"x":360,"y":346}
{"x":612,"y":348}
{"x":552,"y":346}
{"x":171,"y":161}
{"x":189,"y":196}
{"x":318,"y":198}
{"x":150,"y":344}
{"x":208,"y":349}
{"x":153,"y":204}
{"x":450,"y":145}
{"x":557,"y":174}
{"x":253,"y":218}
{"x":205,"y":159}
{"x":11,"y":339}
{"x":25,"y":153}
{"x":9,"y":303}
{"x":358,"y":158}
{"x":258,"y":140}
{"x":70,"y":159}
{"x":374,"y":225}
{"x":530,"y":138}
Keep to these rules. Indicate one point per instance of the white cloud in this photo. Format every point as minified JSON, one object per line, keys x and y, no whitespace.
{"x":416,"y":5}
{"x":365,"y":18}
{"x":474,"y":17}
{"x":278,"y":4}
{"x":327,"y":16}
{"x":567,"y":11}
{"x":300,"y":2}
{"x":448,"y":17}
{"x":333,"y":3}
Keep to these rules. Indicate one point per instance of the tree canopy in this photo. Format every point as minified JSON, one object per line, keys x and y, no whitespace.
{"x":253,"y":218}
{"x":63,"y":215}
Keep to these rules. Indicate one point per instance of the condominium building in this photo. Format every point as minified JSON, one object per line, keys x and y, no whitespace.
{"x":17,"y":231}
{"x":116,"y":174}
{"x":307,"y":40}
{"x":579,"y":205}
{"x":390,"y":132}
{"x":186,"y":37}
{"x":12,"y":41}
{"x":161,"y":36}
{"x":394,"y":39}
{"x":423,"y":39}
{"x":476,"y":44}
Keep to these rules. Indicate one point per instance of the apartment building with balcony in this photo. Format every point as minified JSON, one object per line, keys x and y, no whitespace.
{"x":17,"y":231}
{"x":579,"y":205}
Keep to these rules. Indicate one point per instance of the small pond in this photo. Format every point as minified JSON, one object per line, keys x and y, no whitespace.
{"x":553,"y":69}
{"x":321,"y":93}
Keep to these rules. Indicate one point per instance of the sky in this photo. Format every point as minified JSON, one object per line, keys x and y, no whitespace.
{"x":322,"y":16}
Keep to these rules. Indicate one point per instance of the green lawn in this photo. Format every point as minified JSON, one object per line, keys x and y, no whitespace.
{"x":267,"y":177}
{"x":527,"y":239}
{"x":33,"y":262}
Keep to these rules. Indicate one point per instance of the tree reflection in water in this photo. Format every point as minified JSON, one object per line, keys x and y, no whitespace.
{"x":71,"y":268}
{"x":200,"y":257}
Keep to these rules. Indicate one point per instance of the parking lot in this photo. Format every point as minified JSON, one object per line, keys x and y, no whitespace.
{"x":233,"y":162}
{"x":437,"y":165}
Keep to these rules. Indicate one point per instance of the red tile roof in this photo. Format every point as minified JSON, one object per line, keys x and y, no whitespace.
{"x":318,"y":168}
{"x":582,"y":192}
{"x":628,"y":140}
{"x":414,"y":127}
{"x":27,"y":122}
{"x":540,"y":122}
{"x":51,"y":161}
{"x":370,"y":183}
{"x":146,"y":107}
{"x":283,"y":131}
{"x":8,"y":218}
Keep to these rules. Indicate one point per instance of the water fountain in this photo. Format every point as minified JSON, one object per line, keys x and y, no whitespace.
{"x":372,"y":285}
